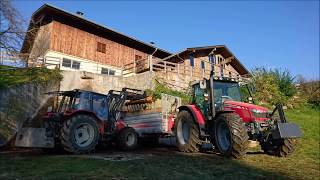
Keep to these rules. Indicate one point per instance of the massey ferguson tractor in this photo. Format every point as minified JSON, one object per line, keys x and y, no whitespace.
{"x":81,"y":120}
{"x":218,"y":117}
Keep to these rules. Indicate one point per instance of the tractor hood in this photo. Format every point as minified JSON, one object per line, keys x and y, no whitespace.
{"x":246,"y":105}
{"x":248,"y":112}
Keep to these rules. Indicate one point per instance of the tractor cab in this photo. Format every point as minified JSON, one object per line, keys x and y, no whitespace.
{"x":81,"y":100}
{"x":224,"y":91}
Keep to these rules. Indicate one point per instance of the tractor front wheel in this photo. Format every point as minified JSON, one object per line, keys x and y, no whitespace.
{"x":187,"y":133}
{"x":80,"y":134}
{"x":278,"y":147}
{"x":230,"y":135}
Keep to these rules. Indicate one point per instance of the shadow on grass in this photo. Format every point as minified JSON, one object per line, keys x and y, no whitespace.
{"x":157,"y":163}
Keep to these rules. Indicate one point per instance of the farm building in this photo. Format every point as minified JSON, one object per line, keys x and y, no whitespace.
{"x":73,"y":43}
{"x":82,"y":44}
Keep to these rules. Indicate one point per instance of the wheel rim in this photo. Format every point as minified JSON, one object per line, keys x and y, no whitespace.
{"x":223,"y":136}
{"x":130,"y":139}
{"x":84,"y":134}
{"x":183,"y":133}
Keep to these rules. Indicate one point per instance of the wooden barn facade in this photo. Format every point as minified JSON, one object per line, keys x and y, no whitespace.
{"x":81,"y":44}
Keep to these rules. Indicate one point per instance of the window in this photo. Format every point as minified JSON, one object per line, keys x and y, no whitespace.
{"x":212,"y":59}
{"x":104,"y":71}
{"x":112,"y":72}
{"x":202,"y":65}
{"x":191,"y":61}
{"x":101,"y":47}
{"x":75,"y":65}
{"x":137,"y":57}
{"x":108,"y":71}
{"x":66,"y":62}
{"x":70,"y":63}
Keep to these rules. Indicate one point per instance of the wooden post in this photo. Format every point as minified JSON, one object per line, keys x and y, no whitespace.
{"x":134,"y":66}
{"x":165,"y":67}
{"x":150,"y":63}
{"x":178,"y":67}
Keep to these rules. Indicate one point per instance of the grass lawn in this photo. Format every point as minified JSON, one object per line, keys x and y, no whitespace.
{"x":304,"y":164}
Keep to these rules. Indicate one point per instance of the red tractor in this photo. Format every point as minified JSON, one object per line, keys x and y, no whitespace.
{"x":82,"y":120}
{"x":218,"y":117}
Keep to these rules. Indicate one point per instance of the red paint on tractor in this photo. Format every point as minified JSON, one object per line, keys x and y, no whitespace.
{"x":170,"y":123}
{"x":244,"y":110}
{"x":198,"y":114}
{"x":120,"y":124}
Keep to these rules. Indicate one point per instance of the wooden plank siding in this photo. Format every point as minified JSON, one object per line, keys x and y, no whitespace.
{"x":75,"y":42}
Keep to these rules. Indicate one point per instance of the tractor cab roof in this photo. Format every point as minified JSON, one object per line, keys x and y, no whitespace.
{"x":223,"y":79}
{"x":72,"y":92}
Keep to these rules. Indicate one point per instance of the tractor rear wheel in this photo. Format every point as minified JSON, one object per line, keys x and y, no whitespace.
{"x":127,"y":139}
{"x":278,"y":147}
{"x":80,"y":134}
{"x":187,"y":133}
{"x":230,"y":135}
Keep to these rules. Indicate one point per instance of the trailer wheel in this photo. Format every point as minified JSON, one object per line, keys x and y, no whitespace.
{"x":187,"y":133}
{"x":80,"y":134}
{"x":230,"y":135}
{"x":279,"y":147}
{"x":127,"y":139}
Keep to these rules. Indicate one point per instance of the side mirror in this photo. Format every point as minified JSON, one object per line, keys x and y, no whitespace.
{"x":203,"y":84}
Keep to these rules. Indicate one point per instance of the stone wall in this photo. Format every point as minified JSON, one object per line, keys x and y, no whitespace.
{"x":22,"y":104}
{"x":103,"y":83}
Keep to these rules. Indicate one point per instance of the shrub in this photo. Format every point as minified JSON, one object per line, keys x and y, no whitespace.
{"x":273,"y":86}
{"x":160,"y":88}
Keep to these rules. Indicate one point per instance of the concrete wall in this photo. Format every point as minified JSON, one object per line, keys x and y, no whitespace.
{"x":103,"y":83}
{"x":22,"y":104}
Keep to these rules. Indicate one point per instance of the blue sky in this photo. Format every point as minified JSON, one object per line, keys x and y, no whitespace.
{"x":275,"y":34}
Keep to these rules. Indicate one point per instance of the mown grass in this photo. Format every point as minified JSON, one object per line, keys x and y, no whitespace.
{"x":303,"y":164}
{"x":10,"y":76}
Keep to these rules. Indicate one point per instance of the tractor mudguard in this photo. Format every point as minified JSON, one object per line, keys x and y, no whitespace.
{"x":286,"y":130}
{"x":197,"y":116}
{"x":33,"y":137}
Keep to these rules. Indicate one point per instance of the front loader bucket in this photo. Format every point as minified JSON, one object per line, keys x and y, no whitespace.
{"x":33,"y":137}
{"x":286,"y":130}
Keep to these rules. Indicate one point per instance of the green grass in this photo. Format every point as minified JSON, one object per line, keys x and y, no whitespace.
{"x":303,"y":164}
{"x":10,"y":76}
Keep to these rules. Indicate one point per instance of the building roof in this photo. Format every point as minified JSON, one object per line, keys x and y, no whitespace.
{"x":206,"y":50}
{"x":47,"y":13}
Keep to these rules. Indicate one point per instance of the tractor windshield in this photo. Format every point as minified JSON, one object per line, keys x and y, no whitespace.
{"x":226,"y":90}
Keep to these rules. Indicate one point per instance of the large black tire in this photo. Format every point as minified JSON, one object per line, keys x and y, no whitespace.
{"x":127,"y":139}
{"x":187,"y":133}
{"x":79,"y":134}
{"x":279,"y":147}
{"x":230,"y":135}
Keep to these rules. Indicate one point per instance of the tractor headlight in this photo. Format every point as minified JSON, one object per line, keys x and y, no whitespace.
{"x":258,"y":113}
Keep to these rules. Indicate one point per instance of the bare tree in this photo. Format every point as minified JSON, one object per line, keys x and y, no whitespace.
{"x":11,"y":27}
